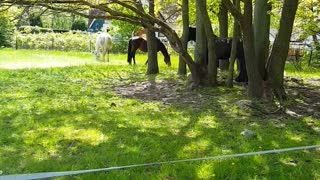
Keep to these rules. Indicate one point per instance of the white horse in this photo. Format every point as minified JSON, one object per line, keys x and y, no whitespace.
{"x":103,"y":45}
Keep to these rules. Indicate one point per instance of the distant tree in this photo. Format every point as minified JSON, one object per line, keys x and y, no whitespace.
{"x":35,"y":20}
{"x":6,"y":30}
{"x":79,"y":24}
{"x":308,"y":21}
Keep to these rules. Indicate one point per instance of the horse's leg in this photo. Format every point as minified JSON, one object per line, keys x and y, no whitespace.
{"x":242,"y":77}
{"x":134,"y":57}
{"x":108,"y":51}
{"x":130,"y":57}
{"x":104,"y":54}
{"x":129,"y":51}
{"x":96,"y":51}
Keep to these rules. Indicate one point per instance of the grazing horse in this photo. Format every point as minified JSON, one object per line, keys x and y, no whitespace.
{"x":103,"y":45}
{"x":223,"y":51}
{"x":140,"y":43}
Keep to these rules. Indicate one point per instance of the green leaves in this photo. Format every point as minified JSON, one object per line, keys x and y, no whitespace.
{"x":6,"y":30}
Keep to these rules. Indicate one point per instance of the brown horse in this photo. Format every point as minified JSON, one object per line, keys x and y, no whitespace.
{"x":140,"y":43}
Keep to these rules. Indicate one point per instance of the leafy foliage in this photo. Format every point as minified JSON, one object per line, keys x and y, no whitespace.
{"x":79,"y":24}
{"x":6,"y":30}
{"x":33,"y":29}
{"x":122,"y":33}
{"x":35,"y":20}
{"x":308,"y":18}
{"x":69,"y":41}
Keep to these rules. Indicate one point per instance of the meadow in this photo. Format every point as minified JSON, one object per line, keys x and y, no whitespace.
{"x":63,"y":111}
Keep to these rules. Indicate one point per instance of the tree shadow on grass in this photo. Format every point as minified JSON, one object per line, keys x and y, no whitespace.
{"x":154,"y":121}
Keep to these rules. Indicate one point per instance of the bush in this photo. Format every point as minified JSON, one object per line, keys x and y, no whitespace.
{"x":79,"y":24}
{"x":33,"y":29}
{"x":6,"y":30}
{"x":35,"y":20}
{"x":70,"y":41}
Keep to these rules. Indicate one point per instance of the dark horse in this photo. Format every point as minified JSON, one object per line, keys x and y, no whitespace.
{"x":223,"y":51}
{"x":140,"y":43}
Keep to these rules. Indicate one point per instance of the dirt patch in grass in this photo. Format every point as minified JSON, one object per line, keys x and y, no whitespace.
{"x":304,"y":95}
{"x":164,"y":91}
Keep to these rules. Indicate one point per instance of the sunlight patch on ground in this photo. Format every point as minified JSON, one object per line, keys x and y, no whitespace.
{"x":208,"y":122}
{"x":205,"y":172}
{"x":40,"y":65}
{"x":90,"y":136}
{"x":198,"y":148}
{"x":51,"y":64}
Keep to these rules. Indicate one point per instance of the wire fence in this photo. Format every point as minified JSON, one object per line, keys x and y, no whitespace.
{"x":222,"y":157}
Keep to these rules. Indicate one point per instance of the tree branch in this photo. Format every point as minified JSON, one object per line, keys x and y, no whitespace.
{"x":233,"y":10}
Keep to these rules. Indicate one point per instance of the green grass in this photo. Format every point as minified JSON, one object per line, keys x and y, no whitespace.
{"x":312,"y":71}
{"x":71,"y":118}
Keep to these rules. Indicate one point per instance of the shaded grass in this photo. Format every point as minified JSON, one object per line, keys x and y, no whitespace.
{"x":61,"y":119}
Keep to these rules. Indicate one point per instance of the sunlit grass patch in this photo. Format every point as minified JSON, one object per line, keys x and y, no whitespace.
{"x":308,"y":71}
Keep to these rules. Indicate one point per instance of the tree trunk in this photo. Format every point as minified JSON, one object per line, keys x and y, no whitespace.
{"x":200,"y":53}
{"x":235,"y":39}
{"x":212,"y":60}
{"x":261,"y":33}
{"x":182,"y":70}
{"x":152,"y":48}
{"x":255,"y":85}
{"x":280,"y":48}
{"x":176,"y":44}
{"x":223,"y":21}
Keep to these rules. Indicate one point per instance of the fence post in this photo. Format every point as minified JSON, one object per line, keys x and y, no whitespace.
{"x":310,"y":57}
{"x":16,"y":42}
{"x":52,"y":44}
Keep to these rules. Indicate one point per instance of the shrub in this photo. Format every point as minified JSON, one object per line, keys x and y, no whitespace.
{"x":70,"y":41}
{"x":35,"y":20}
{"x":79,"y":24}
{"x":6,"y":30}
{"x":33,"y":29}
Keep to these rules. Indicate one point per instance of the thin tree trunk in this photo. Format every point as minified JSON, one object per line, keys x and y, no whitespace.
{"x":261,"y":33}
{"x":200,"y":53}
{"x":280,"y":48}
{"x":223,"y":21}
{"x":235,"y":39}
{"x":152,"y":47}
{"x":255,"y":85}
{"x":212,"y":60}
{"x":182,"y":70}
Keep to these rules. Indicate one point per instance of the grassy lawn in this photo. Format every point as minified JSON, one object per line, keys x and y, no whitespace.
{"x":73,"y":113}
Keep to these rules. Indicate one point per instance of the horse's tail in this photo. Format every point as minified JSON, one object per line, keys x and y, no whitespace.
{"x":129,"y":51}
